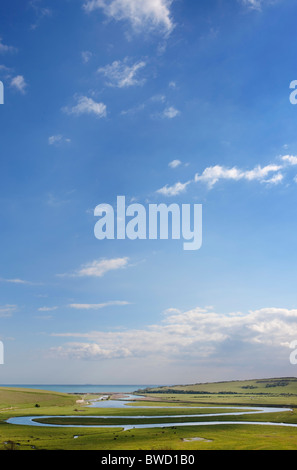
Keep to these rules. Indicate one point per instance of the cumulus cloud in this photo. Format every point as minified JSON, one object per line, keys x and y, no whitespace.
{"x":148,"y":15}
{"x":86,"y":105}
{"x":122,"y":75}
{"x":200,"y":333}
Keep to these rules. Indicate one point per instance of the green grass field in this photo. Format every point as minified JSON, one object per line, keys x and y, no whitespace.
{"x":271,"y":392}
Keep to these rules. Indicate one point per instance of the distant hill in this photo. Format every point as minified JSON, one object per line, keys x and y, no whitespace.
{"x":280,"y":386}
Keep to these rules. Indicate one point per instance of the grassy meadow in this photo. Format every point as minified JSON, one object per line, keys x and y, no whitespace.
{"x":269,"y":392}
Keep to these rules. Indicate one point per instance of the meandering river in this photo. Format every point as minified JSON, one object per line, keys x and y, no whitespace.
{"x":123,"y":402}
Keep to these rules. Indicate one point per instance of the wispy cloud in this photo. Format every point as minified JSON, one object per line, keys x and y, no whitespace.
{"x":99,"y":268}
{"x":16,"y":281}
{"x":253,"y":4}
{"x":5,"y":71}
{"x":150,"y":103}
{"x":144,"y":15}
{"x":47,"y":309}
{"x":86,"y":56}
{"x":113,"y":303}
{"x":170,"y":113}
{"x":90,"y":351}
{"x":58,"y":139}
{"x":40,"y":12}
{"x":174,"y":190}
{"x":7,"y":310}
{"x":19,"y":84}
{"x":43,"y":317}
{"x":214,"y":174}
{"x":86,"y":105}
{"x":174,"y":164}
{"x":4,"y":48}
{"x":53,"y":200}
{"x":257,"y":5}
{"x":122,"y":75}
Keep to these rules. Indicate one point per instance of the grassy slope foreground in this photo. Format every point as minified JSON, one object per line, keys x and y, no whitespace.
{"x":21,"y":402}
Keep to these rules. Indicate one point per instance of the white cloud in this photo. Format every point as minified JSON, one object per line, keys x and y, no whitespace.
{"x":6,"y":49}
{"x":113,"y":303}
{"x":276,"y":179}
{"x":291,"y":159}
{"x":19,"y":83}
{"x":213,"y":174}
{"x":172,"y":310}
{"x":271,"y":174}
{"x":16,"y":281}
{"x":58,"y":139}
{"x":86,"y":105}
{"x":99,"y":268}
{"x":260,"y":173}
{"x":174,"y":164}
{"x":122,"y":75}
{"x":47,"y":309}
{"x":90,"y":351}
{"x":174,"y":190}
{"x":158,"y":98}
{"x":198,"y":335}
{"x":170,"y":113}
{"x":144,"y":15}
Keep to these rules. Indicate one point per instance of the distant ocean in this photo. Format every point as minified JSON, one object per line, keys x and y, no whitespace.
{"x":83,"y":388}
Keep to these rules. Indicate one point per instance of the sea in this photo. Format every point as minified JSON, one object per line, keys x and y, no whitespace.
{"x":82,"y":388}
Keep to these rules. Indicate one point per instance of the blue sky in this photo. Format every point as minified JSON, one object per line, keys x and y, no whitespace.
{"x":163,"y":102}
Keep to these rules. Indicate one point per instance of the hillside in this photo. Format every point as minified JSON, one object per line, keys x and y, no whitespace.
{"x":20,"y":398}
{"x":281,"y":386}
